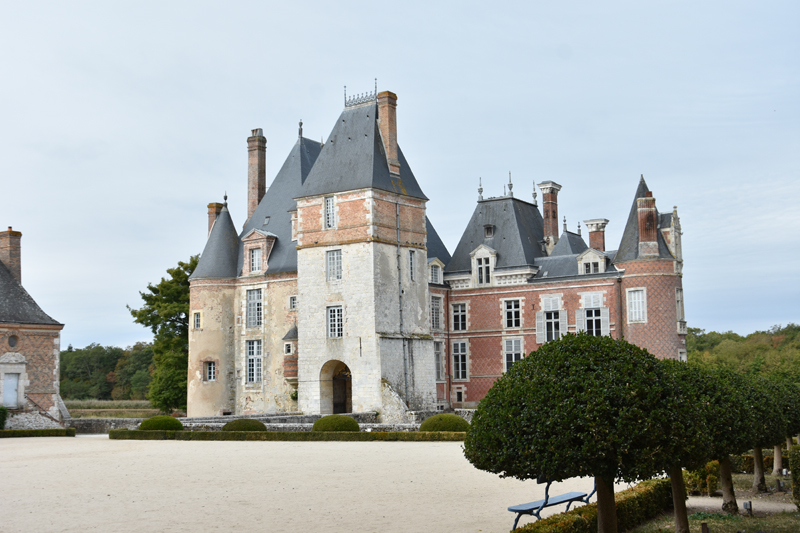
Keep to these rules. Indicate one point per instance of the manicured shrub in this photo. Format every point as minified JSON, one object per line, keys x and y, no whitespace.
{"x":162,"y":423}
{"x":744,"y":463}
{"x":293,"y":436}
{"x":704,"y":480}
{"x":3,"y":416}
{"x":444,"y":422}
{"x":336,"y":423}
{"x":794,"y":466}
{"x":60,"y":432}
{"x":244,"y":424}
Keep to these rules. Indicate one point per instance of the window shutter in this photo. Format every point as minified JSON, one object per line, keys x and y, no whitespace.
{"x":509,"y":345}
{"x":540,"y":337}
{"x":562,"y":319}
{"x":604,"y":321}
{"x":580,"y":320}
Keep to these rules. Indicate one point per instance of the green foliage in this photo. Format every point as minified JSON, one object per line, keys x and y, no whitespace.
{"x":714,"y":516}
{"x":634,"y":506}
{"x":106,"y":372}
{"x":293,"y":395}
{"x":579,"y":406}
{"x":294,"y":436}
{"x":244,"y":424}
{"x":3,"y":417}
{"x":166,"y":313}
{"x":16,"y":433}
{"x":107,"y":404}
{"x":744,"y":463}
{"x":336,"y":423}
{"x":444,"y":422}
{"x":161,"y":423}
{"x":703,"y":480}
{"x":765,"y":401}
{"x":794,"y":465}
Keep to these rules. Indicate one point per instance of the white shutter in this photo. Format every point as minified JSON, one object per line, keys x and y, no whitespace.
{"x":604,"y":321}
{"x":540,"y":336}
{"x":509,"y":345}
{"x":562,"y":319}
{"x":580,"y":320}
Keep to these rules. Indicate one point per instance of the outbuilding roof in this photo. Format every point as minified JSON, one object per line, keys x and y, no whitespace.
{"x":16,"y":305}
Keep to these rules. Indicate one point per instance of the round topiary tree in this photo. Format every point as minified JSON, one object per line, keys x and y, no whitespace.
{"x":244,"y":424}
{"x":336,"y":423}
{"x":578,"y":406}
{"x":161,"y":422}
{"x":444,"y":422}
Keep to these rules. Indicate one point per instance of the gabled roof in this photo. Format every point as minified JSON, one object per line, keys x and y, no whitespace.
{"x":629,"y":245}
{"x":569,"y":244}
{"x":291,"y":335}
{"x":518,"y":232}
{"x":276,"y":204}
{"x":436,"y":248}
{"x":354,"y":158}
{"x":16,"y":305}
{"x":218,"y":259}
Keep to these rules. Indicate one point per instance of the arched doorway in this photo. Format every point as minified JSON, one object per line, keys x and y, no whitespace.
{"x":336,"y":388}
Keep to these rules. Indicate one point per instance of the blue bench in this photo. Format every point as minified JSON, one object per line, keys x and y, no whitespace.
{"x":534,"y":508}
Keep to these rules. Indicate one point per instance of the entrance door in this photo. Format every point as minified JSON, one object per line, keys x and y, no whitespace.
{"x":342,"y":391}
{"x":10,"y":390}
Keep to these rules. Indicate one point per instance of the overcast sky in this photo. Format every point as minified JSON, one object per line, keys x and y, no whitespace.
{"x":121,"y":121}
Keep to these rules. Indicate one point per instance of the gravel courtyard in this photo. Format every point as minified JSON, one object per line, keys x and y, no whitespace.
{"x":92,"y":483}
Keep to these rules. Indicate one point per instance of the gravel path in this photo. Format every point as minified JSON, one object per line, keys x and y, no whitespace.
{"x":95,"y":484}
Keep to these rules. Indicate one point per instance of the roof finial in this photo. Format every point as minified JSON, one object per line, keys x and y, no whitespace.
{"x":376,"y":88}
{"x":301,"y":128}
{"x":534,"y":194}
{"x":345,"y":95}
{"x":565,"y":223}
{"x":510,"y":185}
{"x":579,"y":228}
{"x":641,"y":178}
{"x":480,"y":190}
{"x":225,"y":204}
{"x":504,"y":190}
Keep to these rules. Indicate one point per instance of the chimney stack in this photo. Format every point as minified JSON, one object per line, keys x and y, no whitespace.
{"x":256,"y":169}
{"x":648,"y":243}
{"x":214,"y":210}
{"x":597,"y":233}
{"x":10,"y":252}
{"x":550,"y":211}
{"x":387,"y":119}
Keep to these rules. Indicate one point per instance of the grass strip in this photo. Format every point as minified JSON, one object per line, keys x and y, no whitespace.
{"x":13,"y":433}
{"x":362,"y":436}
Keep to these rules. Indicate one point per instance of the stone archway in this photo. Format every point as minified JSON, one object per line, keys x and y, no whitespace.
{"x":335,"y":388}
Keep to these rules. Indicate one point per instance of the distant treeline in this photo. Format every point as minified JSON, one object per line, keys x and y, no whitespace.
{"x":773,"y":354}
{"x":106,"y":372}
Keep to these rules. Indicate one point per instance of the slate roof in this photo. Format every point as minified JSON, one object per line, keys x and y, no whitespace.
{"x":518,"y":232}
{"x":436,"y":248}
{"x":354,"y":158}
{"x":569,"y":244}
{"x":16,"y":305}
{"x":218,"y":259}
{"x":629,"y":245}
{"x":291,"y":335}
{"x":277,"y":204}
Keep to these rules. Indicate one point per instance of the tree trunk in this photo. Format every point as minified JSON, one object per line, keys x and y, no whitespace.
{"x":606,"y":506}
{"x":777,"y":462}
{"x":679,"y":499}
{"x":726,"y":482}
{"x":759,"y":483}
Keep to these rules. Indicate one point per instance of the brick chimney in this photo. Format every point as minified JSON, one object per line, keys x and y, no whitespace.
{"x":597,"y":233}
{"x":387,"y":120}
{"x":550,"y":212}
{"x":648,"y":242}
{"x":256,"y":169}
{"x":10,"y":252}
{"x":214,"y":210}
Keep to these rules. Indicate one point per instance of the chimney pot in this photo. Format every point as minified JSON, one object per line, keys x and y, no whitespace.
{"x":256,"y":170}
{"x":387,"y":121}
{"x":597,"y":233}
{"x":550,"y":211}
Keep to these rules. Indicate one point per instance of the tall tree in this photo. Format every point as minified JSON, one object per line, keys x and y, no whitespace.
{"x":166,"y":313}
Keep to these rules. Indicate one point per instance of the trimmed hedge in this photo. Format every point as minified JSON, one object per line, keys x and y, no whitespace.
{"x":336,"y":423}
{"x":3,"y":417}
{"x":794,"y":465}
{"x":12,"y":433}
{"x":444,"y":422}
{"x":161,"y":423}
{"x":244,"y":424}
{"x":744,"y":463}
{"x":362,"y":436}
{"x":704,"y":480}
{"x":635,"y":506}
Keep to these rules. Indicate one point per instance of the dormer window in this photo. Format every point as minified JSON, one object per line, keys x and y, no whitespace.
{"x":330,"y":214}
{"x":436,"y":274}
{"x":255,"y":260}
{"x":488,"y":231}
{"x":591,"y":262}
{"x":591,"y":268}
{"x":484,"y":270}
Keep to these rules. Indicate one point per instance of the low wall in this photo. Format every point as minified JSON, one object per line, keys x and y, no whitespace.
{"x":88,"y":426}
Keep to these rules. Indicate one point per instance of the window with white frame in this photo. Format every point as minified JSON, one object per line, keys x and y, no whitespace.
{"x":330,"y":214}
{"x":552,"y":324}
{"x":411,"y":264}
{"x":591,"y":268}
{"x":292,"y":303}
{"x":436,"y":274}
{"x":682,"y":356}
{"x":253,"y":308}
{"x":335,"y":322}
{"x":439,"y":360}
{"x":484,"y":270}
{"x":210,"y":371}
{"x":679,"y":304}
{"x":593,"y":322}
{"x":593,"y":317}
{"x":513,"y":352}
{"x":197,"y":321}
{"x":637,"y":305}
{"x":459,"y":360}
{"x":333,"y":260}
{"x":512,"y":313}
{"x":436,"y":312}
{"x":551,"y":321}
{"x":287,"y":348}
{"x":253,"y":361}
{"x":255,"y":260}
{"x":459,"y":317}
